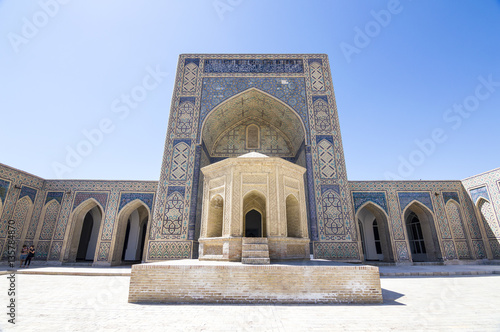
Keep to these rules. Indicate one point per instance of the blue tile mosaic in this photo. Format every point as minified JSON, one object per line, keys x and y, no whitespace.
{"x":27,"y":191}
{"x":253,"y":66}
{"x":4,"y":187}
{"x":57,"y":195}
{"x":218,"y":89}
{"x":479,"y":192}
{"x":361,"y":198}
{"x":146,"y":198}
{"x":422,"y":197}
{"x":450,"y":195}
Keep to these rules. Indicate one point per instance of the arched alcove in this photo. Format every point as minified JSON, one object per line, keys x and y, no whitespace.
{"x":293,"y":217}
{"x":215,"y":216}
{"x":422,"y":236}
{"x":255,"y":201}
{"x":374,"y":233}
{"x":85,"y":227}
{"x":252,"y":121}
{"x":131,"y":233}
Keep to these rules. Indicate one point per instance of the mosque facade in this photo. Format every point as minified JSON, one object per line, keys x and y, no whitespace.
{"x":280,"y":107}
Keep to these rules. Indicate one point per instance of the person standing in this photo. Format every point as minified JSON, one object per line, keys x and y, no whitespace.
{"x":24,"y":254}
{"x":31,"y":254}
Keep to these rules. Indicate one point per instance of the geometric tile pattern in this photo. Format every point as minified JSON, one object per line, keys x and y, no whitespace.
{"x":172,"y":223}
{"x":55,"y":251}
{"x":361,"y":198}
{"x":449,"y":250}
{"x":185,"y":118}
{"x":316,"y":73}
{"x":42,"y":250}
{"x":20,"y":214}
{"x":463,"y":250}
{"x":103,"y":253}
{"x":180,"y":161}
{"x":332,"y":213}
{"x":146,"y":198}
{"x":342,"y":250}
{"x":495,"y":248}
{"x":49,"y":221}
{"x":232,"y":142}
{"x":455,"y":220}
{"x":169,"y":250}
{"x":406,"y":197}
{"x":190,"y":73}
{"x":326,"y":160}
{"x":290,"y":91}
{"x":479,"y":251}
{"x":322,"y":115}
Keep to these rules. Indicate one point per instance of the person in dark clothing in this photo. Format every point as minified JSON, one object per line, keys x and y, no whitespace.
{"x":31,"y":254}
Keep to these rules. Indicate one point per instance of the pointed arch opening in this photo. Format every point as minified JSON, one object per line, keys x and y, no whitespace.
{"x":254,"y":213}
{"x":422,"y":236}
{"x":374,"y":233}
{"x":131,"y":233}
{"x":252,"y":121}
{"x":86,"y":221}
{"x":490,"y":225}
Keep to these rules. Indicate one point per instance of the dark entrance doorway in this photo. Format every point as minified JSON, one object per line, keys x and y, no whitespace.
{"x":253,"y":224}
{"x":88,"y":223}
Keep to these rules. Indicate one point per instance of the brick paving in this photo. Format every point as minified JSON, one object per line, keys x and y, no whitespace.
{"x":96,"y":302}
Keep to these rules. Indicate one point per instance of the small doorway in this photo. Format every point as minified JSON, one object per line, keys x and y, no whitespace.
{"x":416,"y":238}
{"x":253,"y":224}
{"x":88,"y":236}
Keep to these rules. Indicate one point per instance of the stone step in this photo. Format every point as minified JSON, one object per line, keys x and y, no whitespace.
{"x":250,"y":240}
{"x":255,"y":246}
{"x":255,"y":254}
{"x":256,"y":261}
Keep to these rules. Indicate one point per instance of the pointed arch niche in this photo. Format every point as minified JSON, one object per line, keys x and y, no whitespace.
{"x":422,"y":236}
{"x":131,"y":233}
{"x":86,"y":223}
{"x":252,"y":121}
{"x":374,"y":233}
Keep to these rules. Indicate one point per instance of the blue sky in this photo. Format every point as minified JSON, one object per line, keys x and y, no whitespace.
{"x":417,"y":83}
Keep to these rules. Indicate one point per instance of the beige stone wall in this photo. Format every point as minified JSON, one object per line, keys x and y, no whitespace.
{"x":238,"y":283}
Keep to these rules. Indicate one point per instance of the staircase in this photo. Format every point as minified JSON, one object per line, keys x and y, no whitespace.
{"x":255,"y":250}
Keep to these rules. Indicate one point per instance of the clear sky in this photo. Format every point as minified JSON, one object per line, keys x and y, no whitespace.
{"x":417,"y":83}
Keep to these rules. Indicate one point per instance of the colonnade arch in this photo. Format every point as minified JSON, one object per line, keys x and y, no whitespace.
{"x":421,"y":233}
{"x":132,"y":233}
{"x":374,"y":233}
{"x":86,"y":221}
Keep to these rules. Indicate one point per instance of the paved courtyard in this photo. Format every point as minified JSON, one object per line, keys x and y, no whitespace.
{"x":92,"y":303}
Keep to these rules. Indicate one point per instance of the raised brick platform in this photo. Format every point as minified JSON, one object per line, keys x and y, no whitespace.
{"x":192,"y":281}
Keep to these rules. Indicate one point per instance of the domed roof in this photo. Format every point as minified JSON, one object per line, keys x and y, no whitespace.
{"x":253,"y":155}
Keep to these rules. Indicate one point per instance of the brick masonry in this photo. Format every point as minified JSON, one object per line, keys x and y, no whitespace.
{"x":237,"y":283}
